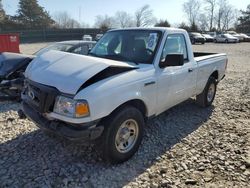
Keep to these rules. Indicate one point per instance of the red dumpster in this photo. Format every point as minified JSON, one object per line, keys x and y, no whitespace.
{"x":9,"y":43}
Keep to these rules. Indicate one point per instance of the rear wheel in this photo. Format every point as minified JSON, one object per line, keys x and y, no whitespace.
{"x":206,"y":98}
{"x":122,"y":135}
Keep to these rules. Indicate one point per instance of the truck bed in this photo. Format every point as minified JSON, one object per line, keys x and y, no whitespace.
{"x":200,"y":56}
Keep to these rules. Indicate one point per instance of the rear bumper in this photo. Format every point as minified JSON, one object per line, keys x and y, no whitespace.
{"x":87,"y":131}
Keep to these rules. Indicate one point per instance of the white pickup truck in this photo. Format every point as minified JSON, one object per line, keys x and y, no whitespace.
{"x":128,"y":77}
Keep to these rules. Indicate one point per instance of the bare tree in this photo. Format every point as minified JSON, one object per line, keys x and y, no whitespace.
{"x":2,"y":12}
{"x":64,"y":20}
{"x":191,"y":8}
{"x":225,"y":16}
{"x":220,"y":14}
{"x":228,"y":17}
{"x":211,"y":9}
{"x":162,"y":23}
{"x":203,"y":24}
{"x":144,"y":17}
{"x":123,"y":19}
{"x":104,"y":22}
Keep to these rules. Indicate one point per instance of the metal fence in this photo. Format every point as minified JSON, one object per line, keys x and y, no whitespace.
{"x":46,"y":35}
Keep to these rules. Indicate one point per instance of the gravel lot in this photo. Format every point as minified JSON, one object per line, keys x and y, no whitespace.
{"x":187,"y":146}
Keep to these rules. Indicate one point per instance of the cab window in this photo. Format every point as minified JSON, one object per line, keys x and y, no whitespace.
{"x":175,"y":44}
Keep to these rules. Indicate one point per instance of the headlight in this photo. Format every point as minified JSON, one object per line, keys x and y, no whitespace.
{"x":70,"y":107}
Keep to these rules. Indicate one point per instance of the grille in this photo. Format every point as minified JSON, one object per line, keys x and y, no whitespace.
{"x":40,"y":97}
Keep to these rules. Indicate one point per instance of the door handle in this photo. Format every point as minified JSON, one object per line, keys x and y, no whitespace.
{"x":149,"y":83}
{"x":190,"y":70}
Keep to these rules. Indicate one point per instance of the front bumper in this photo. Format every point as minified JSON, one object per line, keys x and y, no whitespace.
{"x":87,"y":131}
{"x":199,"y":39}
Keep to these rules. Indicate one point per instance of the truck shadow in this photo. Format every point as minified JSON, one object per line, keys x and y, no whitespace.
{"x":35,"y":159}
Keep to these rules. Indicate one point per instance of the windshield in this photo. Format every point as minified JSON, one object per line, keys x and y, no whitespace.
{"x":197,"y":34}
{"x":206,"y":35}
{"x":137,"y":46}
{"x":58,"y":47}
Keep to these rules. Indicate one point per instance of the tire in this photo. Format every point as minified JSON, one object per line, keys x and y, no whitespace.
{"x":226,"y":41}
{"x":203,"y":43}
{"x":206,"y":98}
{"x":193,"y":41}
{"x":215,"y":41}
{"x":107,"y":144}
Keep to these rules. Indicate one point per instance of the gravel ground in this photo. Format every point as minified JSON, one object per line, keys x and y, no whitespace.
{"x":187,"y":146}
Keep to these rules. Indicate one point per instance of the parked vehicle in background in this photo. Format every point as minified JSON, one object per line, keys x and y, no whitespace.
{"x":212,"y":34}
{"x":98,"y":36}
{"x":226,"y":38}
{"x":208,"y":37}
{"x":72,"y":46}
{"x":130,"y":76}
{"x":234,"y":34}
{"x":13,"y":65}
{"x":197,"y":38}
{"x":87,"y":38}
{"x":246,"y":38}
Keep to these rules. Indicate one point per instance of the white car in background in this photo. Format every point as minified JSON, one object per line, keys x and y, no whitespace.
{"x":226,"y":38}
{"x":246,"y":38}
{"x":98,"y":36}
{"x":208,"y":37}
{"x":233,"y":33}
{"x":87,"y":38}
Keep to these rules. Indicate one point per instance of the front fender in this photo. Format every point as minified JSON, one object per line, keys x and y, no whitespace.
{"x":103,"y":103}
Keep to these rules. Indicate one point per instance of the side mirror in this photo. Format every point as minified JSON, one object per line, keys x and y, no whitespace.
{"x":172,"y":60}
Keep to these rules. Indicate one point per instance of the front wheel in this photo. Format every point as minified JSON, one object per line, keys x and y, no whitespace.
{"x":122,"y":135}
{"x":206,"y":98}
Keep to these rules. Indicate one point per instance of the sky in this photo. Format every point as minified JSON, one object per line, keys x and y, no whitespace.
{"x":85,"y":11}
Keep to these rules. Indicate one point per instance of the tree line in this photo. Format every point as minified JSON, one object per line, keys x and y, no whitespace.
{"x":214,"y":15}
{"x":206,"y":15}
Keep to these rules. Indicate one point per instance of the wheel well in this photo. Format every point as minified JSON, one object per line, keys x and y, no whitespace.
{"x":137,"y":103}
{"x":215,"y":75}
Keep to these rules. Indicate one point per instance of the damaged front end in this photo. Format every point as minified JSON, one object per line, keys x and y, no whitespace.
{"x":12,"y":67}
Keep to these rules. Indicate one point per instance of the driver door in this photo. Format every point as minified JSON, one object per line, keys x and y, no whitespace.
{"x":176,"y":84}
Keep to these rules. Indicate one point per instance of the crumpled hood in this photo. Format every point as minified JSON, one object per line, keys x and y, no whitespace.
{"x":67,"y":72}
